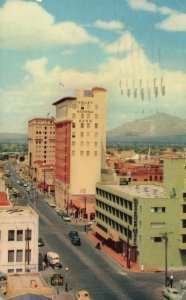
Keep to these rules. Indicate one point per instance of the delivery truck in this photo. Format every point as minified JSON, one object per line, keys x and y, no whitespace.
{"x":53,"y":258}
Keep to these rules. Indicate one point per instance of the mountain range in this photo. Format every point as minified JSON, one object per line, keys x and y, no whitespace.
{"x":160,"y":128}
{"x":12,"y":137}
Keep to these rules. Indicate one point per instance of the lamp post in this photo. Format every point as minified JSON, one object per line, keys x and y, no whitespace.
{"x":66,"y":279}
{"x":166,"y":264}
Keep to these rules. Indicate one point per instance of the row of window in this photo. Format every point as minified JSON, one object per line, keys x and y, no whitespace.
{"x":82,"y":143}
{"x":82,"y":134}
{"x":87,"y":153}
{"x":115,"y":199}
{"x":17,"y":255}
{"x":118,"y":227}
{"x":115,"y":212}
{"x":19,"y":235}
{"x":158,"y":209}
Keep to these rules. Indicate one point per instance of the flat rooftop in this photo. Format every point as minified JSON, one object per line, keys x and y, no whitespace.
{"x":16,"y":211}
{"x":27,"y":283}
{"x":141,"y":190}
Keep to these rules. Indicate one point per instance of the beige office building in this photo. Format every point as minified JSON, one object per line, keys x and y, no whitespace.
{"x":18,"y":239}
{"x":80,"y":145}
{"x":41,"y":141}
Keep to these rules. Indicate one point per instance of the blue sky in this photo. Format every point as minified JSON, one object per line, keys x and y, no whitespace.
{"x":126,"y":46}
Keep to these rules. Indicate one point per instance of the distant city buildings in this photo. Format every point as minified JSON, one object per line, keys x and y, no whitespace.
{"x":41,"y":141}
{"x":80,"y":147}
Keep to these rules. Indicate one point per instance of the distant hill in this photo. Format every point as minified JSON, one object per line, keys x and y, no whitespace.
{"x":160,"y":128}
{"x":13,"y":137}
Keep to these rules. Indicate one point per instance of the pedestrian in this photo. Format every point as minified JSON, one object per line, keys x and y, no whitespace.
{"x":171,"y":281}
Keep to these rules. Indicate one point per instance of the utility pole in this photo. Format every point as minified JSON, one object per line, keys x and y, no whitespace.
{"x":166,"y":244}
{"x":127,"y":254}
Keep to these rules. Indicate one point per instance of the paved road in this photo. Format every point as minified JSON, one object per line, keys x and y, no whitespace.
{"x":89,"y":268}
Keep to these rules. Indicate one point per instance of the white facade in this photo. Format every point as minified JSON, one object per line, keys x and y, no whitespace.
{"x":87,"y":114}
{"x":18,"y":236}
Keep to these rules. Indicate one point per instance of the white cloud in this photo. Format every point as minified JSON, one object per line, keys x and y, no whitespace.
{"x":125,"y":43}
{"x":142,"y":5}
{"x":112,"y":25}
{"x":43,"y":86}
{"x":27,"y":25}
{"x":175,"y":22}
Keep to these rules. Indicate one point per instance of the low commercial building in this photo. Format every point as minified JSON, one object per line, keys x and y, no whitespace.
{"x":18,"y":240}
{"x":146,"y":222}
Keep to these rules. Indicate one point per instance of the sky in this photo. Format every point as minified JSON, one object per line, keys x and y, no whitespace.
{"x":136,"y":49}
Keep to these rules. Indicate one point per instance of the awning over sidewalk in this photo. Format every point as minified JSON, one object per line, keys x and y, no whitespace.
{"x":102,"y":233}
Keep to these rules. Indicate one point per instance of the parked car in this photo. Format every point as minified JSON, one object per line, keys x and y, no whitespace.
{"x":172,"y":294}
{"x":82,"y":295}
{"x":66,"y":218}
{"x":91,"y":222}
{"x":76,"y":241}
{"x":61,"y":213}
{"x":3,"y":276}
{"x":72,"y":234}
{"x":40,"y":242}
{"x":57,"y":265}
{"x":25,"y":185}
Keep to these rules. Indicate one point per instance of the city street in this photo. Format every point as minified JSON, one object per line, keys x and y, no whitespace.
{"x":88,"y":268}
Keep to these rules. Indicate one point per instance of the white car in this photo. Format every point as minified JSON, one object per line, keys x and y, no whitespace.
{"x":25,"y":185}
{"x":91,"y":222}
{"x":172,"y":294}
{"x":66,"y":218}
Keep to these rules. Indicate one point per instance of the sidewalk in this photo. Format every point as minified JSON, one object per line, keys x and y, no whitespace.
{"x":118,"y":257}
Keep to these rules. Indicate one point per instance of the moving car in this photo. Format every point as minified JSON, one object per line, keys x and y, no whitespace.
{"x":73,"y":234}
{"x":66,"y":218}
{"x":76,"y":241}
{"x":3,"y":276}
{"x":82,"y":295}
{"x":171,"y":294}
{"x":40,"y":242}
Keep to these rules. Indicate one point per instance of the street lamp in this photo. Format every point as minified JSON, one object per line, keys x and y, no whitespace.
{"x":66,"y":279}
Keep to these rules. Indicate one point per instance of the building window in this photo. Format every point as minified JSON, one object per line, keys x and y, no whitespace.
{"x":82,"y":125}
{"x":183,"y":223}
{"x":19,"y":235}
{"x":96,"y":125}
{"x":157,"y":239}
{"x":73,"y":153}
{"x":10,"y":255}
{"x":81,"y":153}
{"x":82,"y":134}
{"x":19,"y":270}
{"x":88,"y":125}
{"x":184,"y":208}
{"x":157,"y":224}
{"x":10,"y":270}
{"x":19,"y":255}
{"x":157,"y":209}
{"x":88,"y":153}
{"x":11,"y":235}
{"x":73,"y":143}
{"x":0,"y":235}
{"x":95,"y":153}
{"x":73,"y":116}
{"x":184,"y":238}
{"x":73,"y":125}
{"x":95,"y":143}
{"x":73,"y":134}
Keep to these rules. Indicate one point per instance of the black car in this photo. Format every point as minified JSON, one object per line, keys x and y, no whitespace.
{"x":41,"y":242}
{"x":73,"y":234}
{"x":76,"y":241}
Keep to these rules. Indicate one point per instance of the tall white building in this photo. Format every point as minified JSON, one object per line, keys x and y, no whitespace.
{"x":18,"y":239}
{"x":80,"y":145}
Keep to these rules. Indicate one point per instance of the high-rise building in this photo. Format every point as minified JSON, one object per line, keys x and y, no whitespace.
{"x":80,"y":145}
{"x":41,"y":141}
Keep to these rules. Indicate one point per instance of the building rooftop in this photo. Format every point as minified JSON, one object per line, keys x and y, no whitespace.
{"x":141,"y":190}
{"x":63,"y":100}
{"x":16,"y":211}
{"x":27,"y":283}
